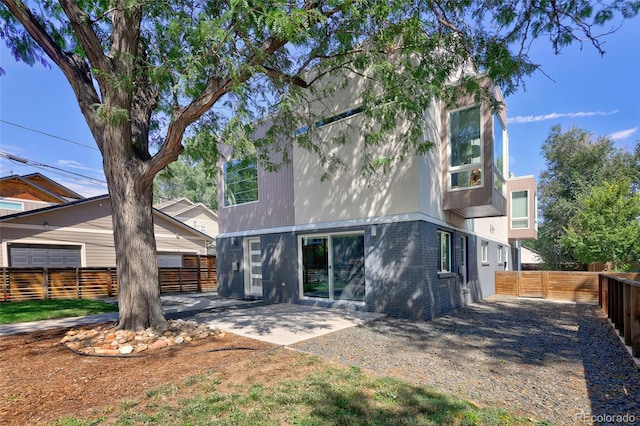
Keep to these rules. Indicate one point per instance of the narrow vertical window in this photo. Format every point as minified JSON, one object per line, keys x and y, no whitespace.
{"x":499,"y":142}
{"x":444,"y":252}
{"x":485,"y":252}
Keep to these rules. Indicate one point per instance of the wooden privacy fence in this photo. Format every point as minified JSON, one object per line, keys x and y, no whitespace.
{"x":554,"y":285}
{"x":20,"y":284}
{"x":619,"y":298}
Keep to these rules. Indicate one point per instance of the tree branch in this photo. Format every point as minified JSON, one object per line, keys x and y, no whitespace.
{"x":216,"y":88}
{"x":90,"y":42}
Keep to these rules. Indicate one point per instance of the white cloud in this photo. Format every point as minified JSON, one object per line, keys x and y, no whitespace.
{"x":75,"y":165}
{"x":623,"y":134}
{"x":554,"y":115}
{"x":84,"y":188}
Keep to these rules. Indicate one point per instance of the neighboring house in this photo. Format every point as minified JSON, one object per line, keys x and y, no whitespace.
{"x":420,"y":241}
{"x":530,"y":260}
{"x":196,"y":215}
{"x":30,"y":192}
{"x":80,"y":234}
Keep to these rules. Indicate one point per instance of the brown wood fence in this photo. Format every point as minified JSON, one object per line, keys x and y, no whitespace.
{"x":572,"y":286}
{"x":18,"y":284}
{"x":619,"y":298}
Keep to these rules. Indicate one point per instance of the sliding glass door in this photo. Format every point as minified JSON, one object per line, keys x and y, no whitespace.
{"x":333,"y":267}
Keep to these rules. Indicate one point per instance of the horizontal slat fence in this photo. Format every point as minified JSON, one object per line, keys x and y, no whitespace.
{"x":572,"y":286}
{"x":19,"y":284}
{"x":619,"y":298}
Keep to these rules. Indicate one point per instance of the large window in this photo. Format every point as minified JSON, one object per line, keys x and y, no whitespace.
{"x":520,"y":210}
{"x":444,"y":252}
{"x":240,"y":182}
{"x":465,"y":157}
{"x":333,"y":267}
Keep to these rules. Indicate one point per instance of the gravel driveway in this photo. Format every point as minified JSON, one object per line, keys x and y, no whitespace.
{"x":560,"y":362}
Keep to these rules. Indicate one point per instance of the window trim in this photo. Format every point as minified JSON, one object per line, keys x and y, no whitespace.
{"x":484,"y":253}
{"x":440,"y":270}
{"x":500,"y":257}
{"x":512,"y":218}
{"x":329,"y":236}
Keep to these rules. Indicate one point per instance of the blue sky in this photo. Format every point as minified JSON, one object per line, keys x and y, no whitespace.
{"x":581,"y":88}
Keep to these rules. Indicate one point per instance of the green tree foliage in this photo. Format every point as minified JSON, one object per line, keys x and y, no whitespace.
{"x":576,"y":162}
{"x":186,"y":178}
{"x":160,"y":71}
{"x":606,"y":227}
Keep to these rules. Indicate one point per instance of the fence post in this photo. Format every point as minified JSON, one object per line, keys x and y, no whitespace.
{"x":180,"y":277}
{"x":110,"y":284}
{"x":4,"y":284}
{"x":78,"y":291}
{"x":635,"y":321}
{"x":626,"y":316}
{"x":199,"y":273}
{"x":45,"y":282}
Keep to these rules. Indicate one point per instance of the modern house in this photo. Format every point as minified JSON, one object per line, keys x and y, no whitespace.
{"x":77,"y":233}
{"x":196,"y":215}
{"x":417,"y":242}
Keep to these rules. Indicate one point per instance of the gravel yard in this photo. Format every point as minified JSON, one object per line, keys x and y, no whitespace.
{"x":560,"y":362}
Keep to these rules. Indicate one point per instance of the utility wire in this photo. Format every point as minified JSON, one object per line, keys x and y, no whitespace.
{"x":32,"y":163}
{"x":48,"y":134}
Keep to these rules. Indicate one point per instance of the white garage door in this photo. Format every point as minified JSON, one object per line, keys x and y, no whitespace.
{"x":35,"y":255}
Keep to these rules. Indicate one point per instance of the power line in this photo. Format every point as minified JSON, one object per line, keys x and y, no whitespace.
{"x":32,"y":163}
{"x":48,"y":134}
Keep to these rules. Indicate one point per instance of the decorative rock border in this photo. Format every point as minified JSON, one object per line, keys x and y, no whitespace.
{"x":106,"y":340}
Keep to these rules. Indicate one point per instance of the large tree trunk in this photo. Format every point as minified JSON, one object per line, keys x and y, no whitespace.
{"x":136,"y":259}
{"x":134,"y":240}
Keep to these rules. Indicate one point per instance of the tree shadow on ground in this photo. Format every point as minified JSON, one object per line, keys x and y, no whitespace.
{"x":612,"y":377}
{"x":521,"y":331}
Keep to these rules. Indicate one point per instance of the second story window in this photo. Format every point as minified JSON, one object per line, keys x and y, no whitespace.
{"x":499,"y":146}
{"x":240,"y":182}
{"x":465,"y":148}
{"x":520,"y":209}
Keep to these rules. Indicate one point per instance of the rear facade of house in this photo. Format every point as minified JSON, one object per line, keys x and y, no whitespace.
{"x":417,"y":242}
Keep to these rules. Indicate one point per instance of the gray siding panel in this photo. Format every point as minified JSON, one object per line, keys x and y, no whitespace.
{"x":274,"y":206}
{"x":275,"y":199}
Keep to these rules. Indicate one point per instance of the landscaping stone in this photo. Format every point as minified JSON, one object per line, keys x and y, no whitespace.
{"x":105,"y":340}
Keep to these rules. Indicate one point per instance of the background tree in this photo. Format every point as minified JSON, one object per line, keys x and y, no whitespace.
{"x":146,"y":68}
{"x":576,"y":162}
{"x":606,"y":227}
{"x":187,"y":178}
